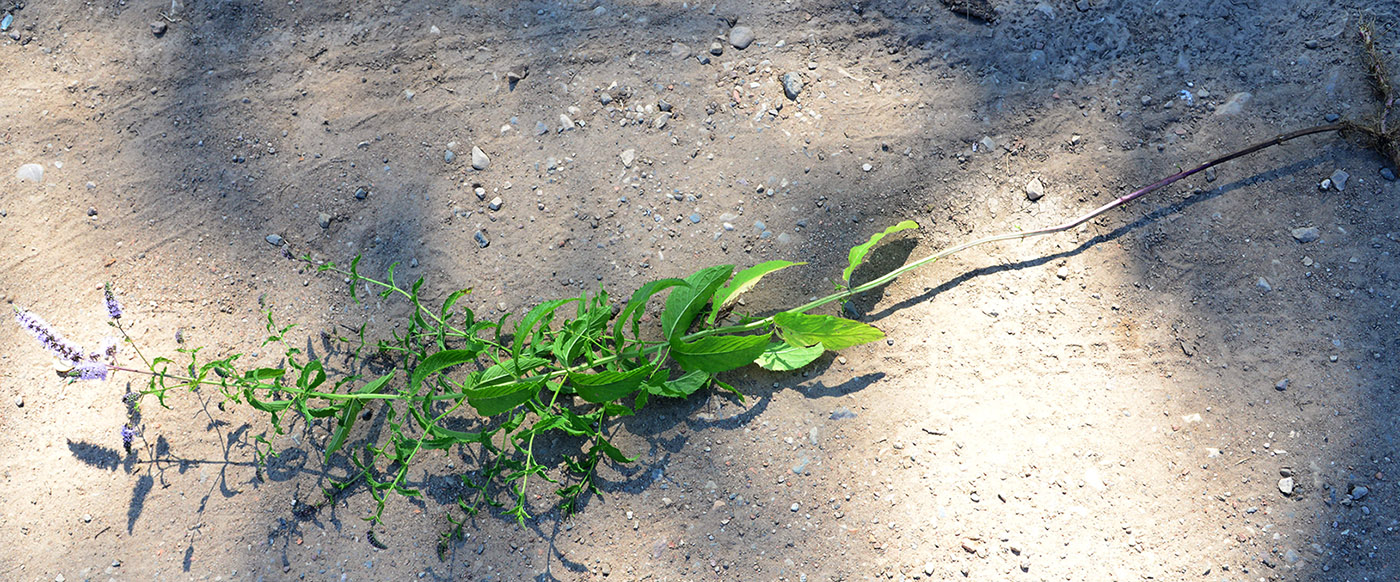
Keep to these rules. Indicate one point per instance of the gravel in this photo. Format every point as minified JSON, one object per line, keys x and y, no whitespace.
{"x":792,"y":85}
{"x":274,"y":240}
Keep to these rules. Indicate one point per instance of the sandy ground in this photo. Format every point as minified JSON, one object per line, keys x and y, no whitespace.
{"x":1120,"y":402}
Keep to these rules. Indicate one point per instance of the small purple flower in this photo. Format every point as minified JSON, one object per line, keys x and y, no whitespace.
{"x":128,"y":434}
{"x":87,"y":371}
{"x":49,"y":338}
{"x":109,"y":348}
{"x":114,"y":309}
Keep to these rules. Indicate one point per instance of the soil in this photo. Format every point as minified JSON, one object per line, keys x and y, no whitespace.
{"x":1119,"y":402}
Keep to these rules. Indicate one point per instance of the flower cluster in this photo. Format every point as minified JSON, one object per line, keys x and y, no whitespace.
{"x":83,"y":365}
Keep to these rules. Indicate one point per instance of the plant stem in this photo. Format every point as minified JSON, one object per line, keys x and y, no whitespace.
{"x":890,"y":276}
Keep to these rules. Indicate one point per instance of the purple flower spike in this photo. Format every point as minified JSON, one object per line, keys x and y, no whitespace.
{"x":114,"y":309}
{"x":88,"y":371}
{"x":49,"y":338}
{"x":128,"y":434}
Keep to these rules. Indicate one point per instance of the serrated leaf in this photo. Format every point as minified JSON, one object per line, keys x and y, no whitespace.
{"x":719,"y":353}
{"x":436,"y":363}
{"x":744,"y":281}
{"x":512,"y":368}
{"x":526,"y":328}
{"x":857,"y":254}
{"x":833,"y":333}
{"x":494,"y":400}
{"x":783,"y":356}
{"x":632,"y":313}
{"x":684,"y":303}
{"x":609,"y":385}
{"x":681,"y":387}
{"x":351,"y":412}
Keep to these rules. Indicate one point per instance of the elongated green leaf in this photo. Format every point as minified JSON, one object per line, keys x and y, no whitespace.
{"x":718,"y":353}
{"x":632,"y":313}
{"x":608,"y":386}
{"x":444,"y":438}
{"x":312,"y":376}
{"x":512,"y":368}
{"x":452,"y":300}
{"x":526,"y":328}
{"x":261,"y":374}
{"x":783,"y":356}
{"x":436,"y":363}
{"x":680,"y":387}
{"x":744,"y":281}
{"x":351,"y":411}
{"x":683,"y":304}
{"x":611,"y":451}
{"x":494,"y":400}
{"x":268,"y":406}
{"x":857,"y":255}
{"x":833,"y":333}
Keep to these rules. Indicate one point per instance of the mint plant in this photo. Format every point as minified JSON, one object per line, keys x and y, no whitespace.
{"x":569,"y":367}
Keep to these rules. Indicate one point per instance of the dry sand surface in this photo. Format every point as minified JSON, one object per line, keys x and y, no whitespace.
{"x":1180,"y":390}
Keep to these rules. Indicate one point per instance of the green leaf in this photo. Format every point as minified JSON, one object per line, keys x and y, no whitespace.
{"x":610,"y":385}
{"x":494,"y":400}
{"x":512,"y":368}
{"x":744,"y":281}
{"x":730,"y":388}
{"x":833,"y":333}
{"x":683,"y":304}
{"x":526,"y":327}
{"x":351,"y":412}
{"x":611,"y":451}
{"x":452,"y":300}
{"x":783,"y":356}
{"x":436,"y":363}
{"x":633,"y":310}
{"x":269,"y":406}
{"x":720,"y":353}
{"x":858,"y":253}
{"x":312,"y":376}
{"x":681,"y":387}
{"x":261,"y":374}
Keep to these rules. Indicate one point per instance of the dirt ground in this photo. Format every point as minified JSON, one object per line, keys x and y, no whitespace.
{"x":1126,"y":401}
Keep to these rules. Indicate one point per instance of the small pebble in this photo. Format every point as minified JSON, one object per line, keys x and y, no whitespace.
{"x":1306,"y":235}
{"x":274,"y":240}
{"x":842,"y":413}
{"x":361,"y":193}
{"x":866,"y":167}
{"x":1339,"y":179}
{"x":1210,"y":174}
{"x":1035,"y":189}
{"x":695,"y":218}
{"x":541,"y":128}
{"x":324,"y":220}
{"x":1263,"y":285}
{"x":481,"y":239}
{"x":1359,"y":492}
{"x":1285,"y":485}
{"x":741,"y":37}
{"x":1235,"y":104}
{"x":1332,"y":117}
{"x":716,"y":49}
{"x":480,"y":161}
{"x":1062,"y":273}
{"x":30,"y":173}
{"x":448,"y":156}
{"x":92,"y":211}
{"x":19,"y":402}
{"x":1281,"y":386}
{"x":604,"y":98}
{"x":663,"y":105}
{"x":628,"y":156}
{"x":158,"y":27}
{"x":792,"y":85}
{"x":87,"y":518}
{"x":794,"y":507}
{"x":495,"y":203}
